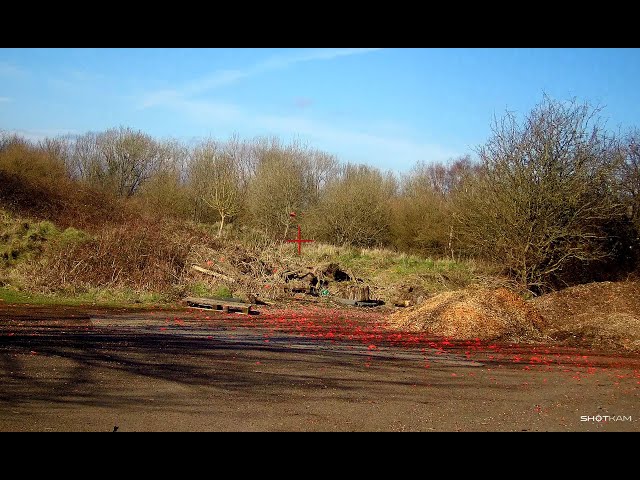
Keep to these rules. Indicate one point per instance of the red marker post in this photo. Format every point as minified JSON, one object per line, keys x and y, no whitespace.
{"x":299,"y":241}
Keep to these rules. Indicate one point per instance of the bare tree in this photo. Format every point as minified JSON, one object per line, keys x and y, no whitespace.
{"x":545,"y":196}
{"x":215,"y":177}
{"x":630,"y":176}
{"x":442,"y":178}
{"x":118,"y":160}
{"x":420,"y":220}
{"x":59,"y":147}
{"x":277,"y":191}
{"x":242,"y":154}
{"x":83,"y":160}
{"x":32,"y":161}
{"x":320,"y":168}
{"x":355,"y":208}
{"x":165,"y":192}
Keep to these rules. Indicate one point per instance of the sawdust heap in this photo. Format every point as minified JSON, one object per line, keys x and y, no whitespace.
{"x":605,"y":314}
{"x":473,"y":313}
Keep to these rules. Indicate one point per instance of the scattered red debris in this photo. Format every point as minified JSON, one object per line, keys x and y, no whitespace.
{"x":366,"y":329}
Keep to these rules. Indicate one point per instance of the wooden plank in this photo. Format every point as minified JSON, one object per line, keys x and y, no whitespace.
{"x":212,"y":273}
{"x":216,"y":301}
{"x":358,"y":303}
{"x":345,"y":301}
{"x":223,"y":305}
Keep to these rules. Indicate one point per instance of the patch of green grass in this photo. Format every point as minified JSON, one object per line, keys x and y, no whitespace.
{"x":386,"y":268}
{"x":102,"y":298}
{"x":200,"y":289}
{"x":9,"y":295}
{"x":120,"y":297}
{"x":223,"y":292}
{"x":22,"y":240}
{"x":410,"y":265}
{"x":73,"y":236}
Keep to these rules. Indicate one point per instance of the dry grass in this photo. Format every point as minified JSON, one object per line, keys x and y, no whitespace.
{"x":64,"y":203}
{"x":119,"y":245}
{"x":241,"y":271}
{"x":145,"y":257}
{"x":473,"y":313}
{"x":137,"y":253}
{"x":605,"y":314}
{"x":388,"y":272}
{"x":257,"y":266}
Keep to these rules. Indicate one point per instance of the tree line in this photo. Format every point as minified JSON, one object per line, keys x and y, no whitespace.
{"x":553,"y":198}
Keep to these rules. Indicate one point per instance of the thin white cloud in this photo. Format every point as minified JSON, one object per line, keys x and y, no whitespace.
{"x":5,"y":99}
{"x":217,"y":80}
{"x":395,"y":151}
{"x":10,"y":70}
{"x":311,"y":55}
{"x":391,"y":149}
{"x":35,"y":135}
{"x":224,"y":78}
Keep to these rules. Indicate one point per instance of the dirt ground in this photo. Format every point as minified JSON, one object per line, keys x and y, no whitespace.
{"x":301,"y":369}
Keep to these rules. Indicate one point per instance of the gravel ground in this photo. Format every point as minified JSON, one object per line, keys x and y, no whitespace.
{"x":80,"y":369}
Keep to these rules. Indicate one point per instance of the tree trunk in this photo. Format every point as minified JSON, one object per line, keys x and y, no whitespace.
{"x":286,"y":231}
{"x":453,"y":258}
{"x":359,"y":294}
{"x":221,"y":225}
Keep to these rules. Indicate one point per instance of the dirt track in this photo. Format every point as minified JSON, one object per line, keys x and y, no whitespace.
{"x":82,"y":370}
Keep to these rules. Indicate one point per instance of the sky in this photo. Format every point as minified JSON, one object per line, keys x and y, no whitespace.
{"x":385,"y":107}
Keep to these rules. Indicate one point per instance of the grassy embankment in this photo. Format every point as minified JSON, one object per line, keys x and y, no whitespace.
{"x":41,"y":263}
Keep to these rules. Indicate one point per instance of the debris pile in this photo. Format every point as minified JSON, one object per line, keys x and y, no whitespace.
{"x":603,"y":314}
{"x":473,"y":313}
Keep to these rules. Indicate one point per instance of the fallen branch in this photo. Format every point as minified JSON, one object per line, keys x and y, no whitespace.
{"x":213,"y":274}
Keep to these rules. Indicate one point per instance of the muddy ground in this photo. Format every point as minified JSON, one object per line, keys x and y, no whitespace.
{"x":308,"y":369}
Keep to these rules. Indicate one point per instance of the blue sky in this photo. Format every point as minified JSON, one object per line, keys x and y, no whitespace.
{"x":384,"y":107}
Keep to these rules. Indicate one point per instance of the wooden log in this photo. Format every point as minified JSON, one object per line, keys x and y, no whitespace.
{"x":359,"y":294}
{"x":212,"y":273}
